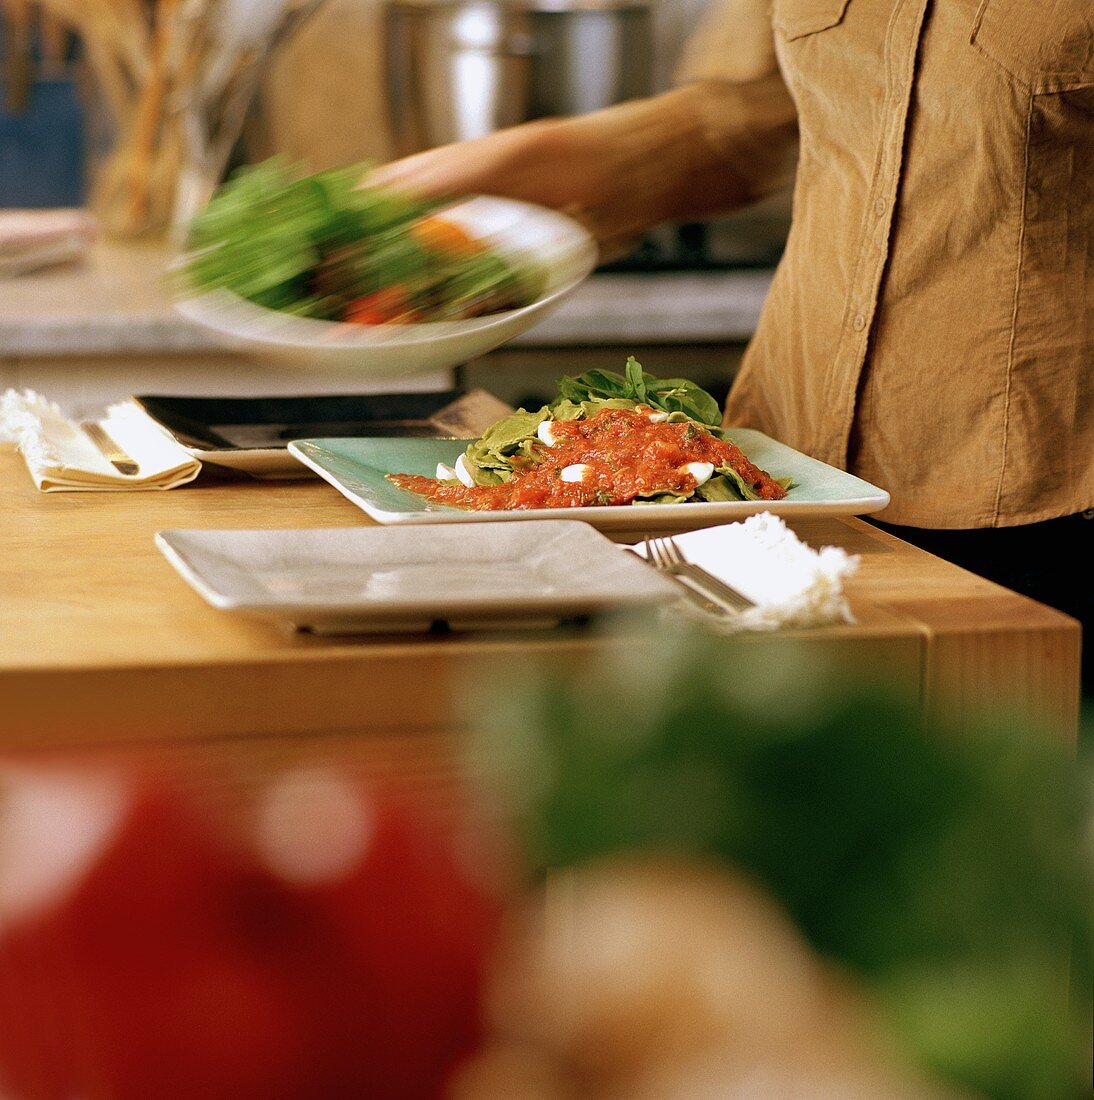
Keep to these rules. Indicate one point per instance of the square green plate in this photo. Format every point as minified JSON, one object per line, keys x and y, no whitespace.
{"x":357,"y":468}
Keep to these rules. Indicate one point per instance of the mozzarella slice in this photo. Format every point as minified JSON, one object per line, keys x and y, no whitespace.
{"x":445,"y":473}
{"x":577,"y":472}
{"x":463,"y":472}
{"x":701,"y":471}
{"x":546,"y":433}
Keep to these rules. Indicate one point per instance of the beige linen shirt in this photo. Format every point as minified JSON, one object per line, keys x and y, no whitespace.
{"x":931,"y":324}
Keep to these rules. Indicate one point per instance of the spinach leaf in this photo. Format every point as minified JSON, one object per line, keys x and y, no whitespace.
{"x":680,"y":395}
{"x":593,"y":385}
{"x":635,"y":386}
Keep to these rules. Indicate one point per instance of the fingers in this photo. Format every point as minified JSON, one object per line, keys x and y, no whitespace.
{"x":433,"y":174}
{"x":518,"y":163}
{"x":483,"y":165}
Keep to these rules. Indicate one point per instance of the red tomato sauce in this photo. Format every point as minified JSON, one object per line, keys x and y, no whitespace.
{"x":628,"y":455}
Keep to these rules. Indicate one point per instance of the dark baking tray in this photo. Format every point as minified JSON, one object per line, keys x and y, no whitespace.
{"x":260,"y":423}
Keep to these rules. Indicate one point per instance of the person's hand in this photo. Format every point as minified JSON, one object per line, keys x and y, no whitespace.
{"x":565,"y":164}
{"x":526,"y":162}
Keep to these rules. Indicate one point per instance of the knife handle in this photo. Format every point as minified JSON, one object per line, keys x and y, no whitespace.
{"x":110,"y":450}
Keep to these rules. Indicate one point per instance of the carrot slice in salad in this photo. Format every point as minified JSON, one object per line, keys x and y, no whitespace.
{"x":439,"y":235}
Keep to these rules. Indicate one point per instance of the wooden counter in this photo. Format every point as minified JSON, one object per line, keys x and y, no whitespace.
{"x":102,"y":643}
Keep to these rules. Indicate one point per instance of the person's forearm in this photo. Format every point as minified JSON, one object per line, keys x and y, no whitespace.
{"x":702,"y":149}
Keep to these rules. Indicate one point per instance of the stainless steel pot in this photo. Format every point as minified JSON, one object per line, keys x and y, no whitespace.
{"x":459,"y":69}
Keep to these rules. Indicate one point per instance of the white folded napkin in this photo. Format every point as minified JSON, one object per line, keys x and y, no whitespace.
{"x":32,"y":239}
{"x":793,"y":585}
{"x":60,"y":455}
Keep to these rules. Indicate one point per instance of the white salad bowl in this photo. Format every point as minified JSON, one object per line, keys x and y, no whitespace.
{"x":520,"y":230}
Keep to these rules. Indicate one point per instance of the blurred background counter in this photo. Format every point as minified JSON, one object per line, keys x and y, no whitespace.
{"x":352,"y":80}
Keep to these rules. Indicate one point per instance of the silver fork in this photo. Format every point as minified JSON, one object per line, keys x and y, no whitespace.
{"x":669,"y":558}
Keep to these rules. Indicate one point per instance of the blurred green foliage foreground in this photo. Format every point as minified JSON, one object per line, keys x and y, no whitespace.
{"x":948,"y":870}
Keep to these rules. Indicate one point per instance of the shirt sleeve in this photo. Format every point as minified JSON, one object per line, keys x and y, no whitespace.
{"x":730,"y":68}
{"x":724,"y":138}
{"x":734,"y":42}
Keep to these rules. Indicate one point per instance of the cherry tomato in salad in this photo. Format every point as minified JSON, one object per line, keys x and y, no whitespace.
{"x":382,"y":307}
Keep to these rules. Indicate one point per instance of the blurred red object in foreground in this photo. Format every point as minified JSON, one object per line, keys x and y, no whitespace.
{"x":332,"y":947}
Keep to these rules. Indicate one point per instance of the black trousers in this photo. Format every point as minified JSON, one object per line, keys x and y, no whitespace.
{"x":1051,"y":562}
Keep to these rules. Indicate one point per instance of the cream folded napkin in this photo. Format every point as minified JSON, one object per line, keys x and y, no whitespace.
{"x":60,"y":455}
{"x":33,"y":239}
{"x":792,"y":585}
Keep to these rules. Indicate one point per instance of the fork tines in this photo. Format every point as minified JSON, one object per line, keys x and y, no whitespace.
{"x":667,"y":556}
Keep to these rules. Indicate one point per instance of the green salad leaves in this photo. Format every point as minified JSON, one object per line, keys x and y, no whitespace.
{"x":636,"y":387}
{"x":327,"y":247}
{"x":265,"y":231}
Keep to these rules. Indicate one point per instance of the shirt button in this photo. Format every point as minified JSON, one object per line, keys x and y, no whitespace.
{"x":859,"y":323}
{"x":879,"y":206}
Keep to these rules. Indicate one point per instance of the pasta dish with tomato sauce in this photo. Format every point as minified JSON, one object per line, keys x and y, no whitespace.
{"x":608,"y":439}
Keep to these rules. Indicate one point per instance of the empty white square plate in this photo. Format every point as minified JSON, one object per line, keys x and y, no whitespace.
{"x":344,"y":580}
